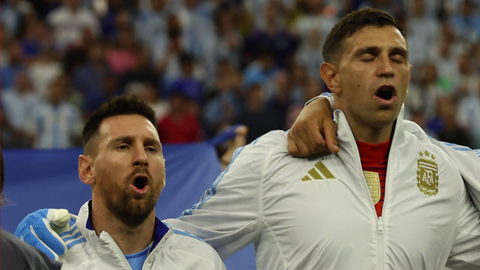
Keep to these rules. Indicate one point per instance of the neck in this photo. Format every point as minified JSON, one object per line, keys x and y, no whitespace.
{"x":371,"y":135}
{"x":129,"y":240}
{"x":363,"y":131}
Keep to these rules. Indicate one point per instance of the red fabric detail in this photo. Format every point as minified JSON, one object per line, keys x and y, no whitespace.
{"x":374,"y":158}
{"x":182,"y":129}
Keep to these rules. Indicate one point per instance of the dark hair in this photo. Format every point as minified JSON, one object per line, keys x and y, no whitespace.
{"x":352,"y":23}
{"x":120,"y":105}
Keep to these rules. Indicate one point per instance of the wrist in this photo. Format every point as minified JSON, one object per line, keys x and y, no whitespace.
{"x":322,"y":104}
{"x":324,"y":96}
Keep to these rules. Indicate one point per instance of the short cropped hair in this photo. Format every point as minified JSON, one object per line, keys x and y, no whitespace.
{"x":120,"y":105}
{"x":352,"y":23}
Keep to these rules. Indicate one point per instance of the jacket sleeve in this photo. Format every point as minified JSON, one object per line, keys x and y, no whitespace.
{"x":229,"y":214}
{"x":467,"y":161}
{"x":465,"y":253}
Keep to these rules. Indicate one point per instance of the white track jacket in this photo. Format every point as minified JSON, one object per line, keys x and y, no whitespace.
{"x":317,"y":213}
{"x":171,"y":249}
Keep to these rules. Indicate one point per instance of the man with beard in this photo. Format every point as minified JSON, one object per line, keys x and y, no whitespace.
{"x":117,"y":229}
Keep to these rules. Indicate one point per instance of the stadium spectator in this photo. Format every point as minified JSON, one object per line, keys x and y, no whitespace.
{"x":299,"y":83}
{"x":444,"y":58}
{"x":423,"y":93}
{"x":220,"y":111}
{"x":187,"y":81}
{"x":310,"y":53}
{"x":13,"y":11}
{"x":280,"y":101}
{"x":466,"y":22}
{"x":122,"y":56}
{"x":274,"y":38}
{"x":422,"y":33}
{"x":151,"y":26}
{"x":229,"y":43}
{"x":6,"y":43}
{"x":256,"y":116}
{"x":16,"y":65}
{"x":314,"y":19}
{"x":196,"y":19}
{"x":262,"y":71}
{"x":169,"y":63}
{"x":148,"y":93}
{"x":451,"y":131}
{"x":142,"y":71}
{"x":56,"y":122}
{"x":35,"y":37}
{"x":69,"y":21}
{"x":43,"y":71}
{"x":18,"y":104}
{"x":89,"y":78}
{"x":466,"y":77}
{"x":180,"y":124}
{"x":468,"y":116}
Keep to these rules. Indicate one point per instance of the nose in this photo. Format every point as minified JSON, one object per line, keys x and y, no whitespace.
{"x":385,"y":68}
{"x":140,"y":157}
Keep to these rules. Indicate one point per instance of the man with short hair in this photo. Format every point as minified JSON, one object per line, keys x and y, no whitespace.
{"x":387,"y":199}
{"x":124,"y":165}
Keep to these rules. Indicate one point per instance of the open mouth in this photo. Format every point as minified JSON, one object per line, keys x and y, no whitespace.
{"x":386,"y":92}
{"x":140,"y":184}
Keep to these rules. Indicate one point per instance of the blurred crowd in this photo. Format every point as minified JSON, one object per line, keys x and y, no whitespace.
{"x":204,"y":65}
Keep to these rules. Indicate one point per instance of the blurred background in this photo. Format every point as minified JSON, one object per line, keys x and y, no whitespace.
{"x":204,"y":65}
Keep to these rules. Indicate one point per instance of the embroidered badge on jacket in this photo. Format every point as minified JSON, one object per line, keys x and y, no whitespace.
{"x":427,"y":173}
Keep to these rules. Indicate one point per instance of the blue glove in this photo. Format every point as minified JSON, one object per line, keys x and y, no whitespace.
{"x":225,"y":135}
{"x":48,"y":230}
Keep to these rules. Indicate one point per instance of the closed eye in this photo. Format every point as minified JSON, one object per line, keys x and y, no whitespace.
{"x":397,"y":58}
{"x":367,"y":57}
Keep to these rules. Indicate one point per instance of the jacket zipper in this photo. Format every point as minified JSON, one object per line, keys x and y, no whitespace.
{"x":123,"y":258}
{"x":381,"y":257}
{"x":380,"y":225}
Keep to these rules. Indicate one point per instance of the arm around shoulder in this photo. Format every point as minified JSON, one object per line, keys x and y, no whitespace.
{"x":229,"y":214}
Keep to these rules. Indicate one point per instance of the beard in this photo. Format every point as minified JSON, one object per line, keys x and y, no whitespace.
{"x":130,"y":208}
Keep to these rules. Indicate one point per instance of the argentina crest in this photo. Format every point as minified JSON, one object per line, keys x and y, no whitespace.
{"x":427,"y":173}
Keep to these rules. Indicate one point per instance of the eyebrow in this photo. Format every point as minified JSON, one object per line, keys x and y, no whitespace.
{"x":374,"y":50}
{"x":125,"y":139}
{"x":130,"y":139}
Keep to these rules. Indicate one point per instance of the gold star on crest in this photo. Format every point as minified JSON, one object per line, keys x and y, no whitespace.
{"x":427,"y":153}
{"x":420,"y":153}
{"x":433,"y":157}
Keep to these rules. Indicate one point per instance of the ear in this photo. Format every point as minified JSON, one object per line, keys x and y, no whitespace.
{"x":409,"y":76}
{"x":85,"y":165}
{"x":329,"y":74}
